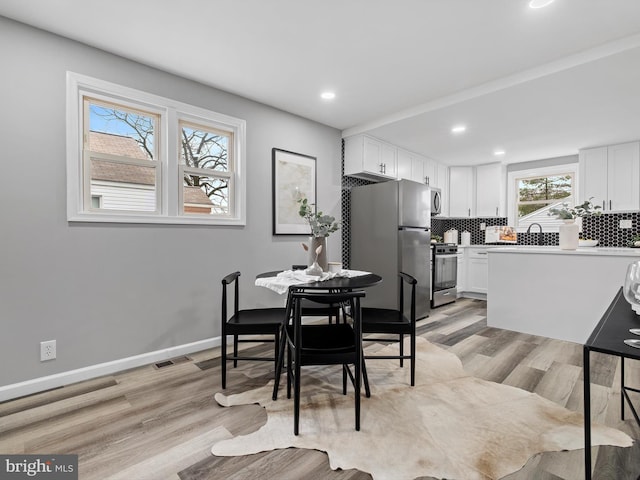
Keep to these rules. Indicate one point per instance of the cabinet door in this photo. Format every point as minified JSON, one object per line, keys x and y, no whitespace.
{"x":417,"y":169}
{"x":593,"y":176}
{"x":430,"y":172}
{"x":372,"y":155}
{"x":490,"y":187}
{"x":405,"y":165}
{"x":477,"y":275}
{"x":462,"y":273}
{"x":443,"y":185}
{"x":389,"y":160}
{"x":461,"y":191}
{"x":623,"y":180}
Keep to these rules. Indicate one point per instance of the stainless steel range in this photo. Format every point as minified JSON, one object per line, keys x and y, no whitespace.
{"x":445,"y":274}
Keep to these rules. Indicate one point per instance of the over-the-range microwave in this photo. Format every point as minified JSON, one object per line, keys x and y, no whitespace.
{"x":436,"y":201}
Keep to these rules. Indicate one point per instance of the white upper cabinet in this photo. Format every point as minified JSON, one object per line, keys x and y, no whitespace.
{"x":461,"y":191}
{"x":611,"y":175}
{"x":369,"y":158}
{"x":491,"y":190}
{"x":430,"y":172}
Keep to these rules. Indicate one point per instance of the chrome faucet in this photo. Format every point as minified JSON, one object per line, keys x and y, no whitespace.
{"x":540,"y":238}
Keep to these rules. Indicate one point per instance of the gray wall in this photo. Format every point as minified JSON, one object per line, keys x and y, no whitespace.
{"x":110,"y":291}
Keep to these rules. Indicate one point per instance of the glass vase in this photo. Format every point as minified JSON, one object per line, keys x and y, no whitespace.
{"x":631,"y":288}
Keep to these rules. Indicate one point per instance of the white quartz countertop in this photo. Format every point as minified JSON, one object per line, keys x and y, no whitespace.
{"x":555,"y":250}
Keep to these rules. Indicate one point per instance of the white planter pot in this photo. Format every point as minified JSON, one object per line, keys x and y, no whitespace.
{"x":569,"y":235}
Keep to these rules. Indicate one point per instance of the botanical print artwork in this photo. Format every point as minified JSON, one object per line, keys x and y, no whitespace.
{"x":294,"y":178}
{"x":294,"y":184}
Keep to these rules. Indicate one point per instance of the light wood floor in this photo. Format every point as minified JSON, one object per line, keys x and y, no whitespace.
{"x":160,"y":423}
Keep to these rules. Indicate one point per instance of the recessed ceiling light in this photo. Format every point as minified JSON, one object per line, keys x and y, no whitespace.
{"x":328,"y":95}
{"x":499,"y":152}
{"x":458,"y":129}
{"x":539,"y":3}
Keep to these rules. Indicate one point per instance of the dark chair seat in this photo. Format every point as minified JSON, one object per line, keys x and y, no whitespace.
{"x":381,"y":320}
{"x":257,"y":321}
{"x":322,"y":344}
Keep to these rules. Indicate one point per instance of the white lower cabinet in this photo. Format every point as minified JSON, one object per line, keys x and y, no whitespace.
{"x":473,"y":270}
{"x":478,"y":275}
{"x":462,"y":272}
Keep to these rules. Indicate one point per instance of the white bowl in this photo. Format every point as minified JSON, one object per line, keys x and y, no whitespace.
{"x":587,"y":243}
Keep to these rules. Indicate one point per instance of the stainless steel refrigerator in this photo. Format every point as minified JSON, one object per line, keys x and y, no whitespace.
{"x":390,"y":225}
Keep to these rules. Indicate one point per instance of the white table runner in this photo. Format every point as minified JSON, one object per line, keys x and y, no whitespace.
{"x":284,"y":280}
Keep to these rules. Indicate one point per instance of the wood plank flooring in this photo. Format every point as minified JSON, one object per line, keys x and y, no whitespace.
{"x":159,"y":423}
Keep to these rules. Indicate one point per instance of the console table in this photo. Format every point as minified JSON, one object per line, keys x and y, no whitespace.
{"x":608,"y":337}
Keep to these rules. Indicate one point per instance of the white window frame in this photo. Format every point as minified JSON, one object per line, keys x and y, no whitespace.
{"x":512,"y":190}
{"x":228,"y":175}
{"x":169,"y":187}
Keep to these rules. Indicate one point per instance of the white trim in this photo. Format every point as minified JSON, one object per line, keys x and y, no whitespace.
{"x":36,"y":385}
{"x":171,"y":111}
{"x":570,"y":168}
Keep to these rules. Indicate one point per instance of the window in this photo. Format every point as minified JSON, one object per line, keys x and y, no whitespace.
{"x":205,"y":169}
{"x":137,"y":157}
{"x":534,"y":192}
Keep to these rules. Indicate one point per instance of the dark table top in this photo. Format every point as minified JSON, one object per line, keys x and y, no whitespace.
{"x":342,"y":283}
{"x":613,"y":329}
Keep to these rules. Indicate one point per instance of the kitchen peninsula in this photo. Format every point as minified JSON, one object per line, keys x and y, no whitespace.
{"x":554,"y":293}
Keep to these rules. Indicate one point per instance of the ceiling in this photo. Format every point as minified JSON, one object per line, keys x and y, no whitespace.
{"x":537,"y":83}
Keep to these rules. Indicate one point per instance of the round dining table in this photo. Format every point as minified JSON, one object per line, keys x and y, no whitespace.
{"x":335,"y":283}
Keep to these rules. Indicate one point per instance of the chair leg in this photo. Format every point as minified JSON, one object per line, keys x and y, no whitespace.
{"x":413,"y":360}
{"x":296,"y":398}
{"x":235,"y":350}
{"x":279,"y":362}
{"x":358,"y":374}
{"x":344,"y":379}
{"x":289,"y":371}
{"x":365,"y":377}
{"x":401,"y":350}
{"x":223,"y":356}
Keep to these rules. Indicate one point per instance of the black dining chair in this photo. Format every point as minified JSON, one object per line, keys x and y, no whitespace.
{"x":394,"y":324}
{"x":257,"y":321}
{"x":322,"y":344}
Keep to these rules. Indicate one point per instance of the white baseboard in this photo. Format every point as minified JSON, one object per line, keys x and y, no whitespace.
{"x":28,"y":387}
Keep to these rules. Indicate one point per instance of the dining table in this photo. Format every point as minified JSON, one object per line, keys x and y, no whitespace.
{"x":286,"y":281}
{"x":343,"y":280}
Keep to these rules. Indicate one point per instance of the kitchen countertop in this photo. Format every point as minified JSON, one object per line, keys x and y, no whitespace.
{"x":555,"y":250}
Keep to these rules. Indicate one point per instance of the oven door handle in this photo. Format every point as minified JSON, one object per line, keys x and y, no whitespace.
{"x":446,"y":255}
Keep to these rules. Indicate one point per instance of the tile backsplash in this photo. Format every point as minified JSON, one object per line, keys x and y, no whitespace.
{"x":604,"y":228}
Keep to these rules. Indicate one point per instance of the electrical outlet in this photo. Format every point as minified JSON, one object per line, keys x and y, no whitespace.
{"x":47,"y":350}
{"x":483,"y":226}
{"x":626,"y":224}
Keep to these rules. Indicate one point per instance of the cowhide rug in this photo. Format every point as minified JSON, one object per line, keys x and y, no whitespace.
{"x":450,"y":425}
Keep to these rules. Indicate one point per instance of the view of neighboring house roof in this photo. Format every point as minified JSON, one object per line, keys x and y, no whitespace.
{"x":122,"y":173}
{"x":195,"y":195}
{"x":131,"y":174}
{"x":116,"y":145}
{"x":119,"y":172}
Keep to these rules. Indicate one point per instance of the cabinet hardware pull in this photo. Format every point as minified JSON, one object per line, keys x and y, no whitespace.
{"x":496,"y":211}
{"x":609,"y":204}
{"x":603,"y":204}
{"x":469,"y":212}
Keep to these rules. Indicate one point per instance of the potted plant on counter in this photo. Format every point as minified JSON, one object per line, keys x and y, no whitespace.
{"x":569,"y":231}
{"x":321,"y":226}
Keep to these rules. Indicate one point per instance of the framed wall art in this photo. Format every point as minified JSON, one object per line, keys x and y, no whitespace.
{"x":294,"y":178}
